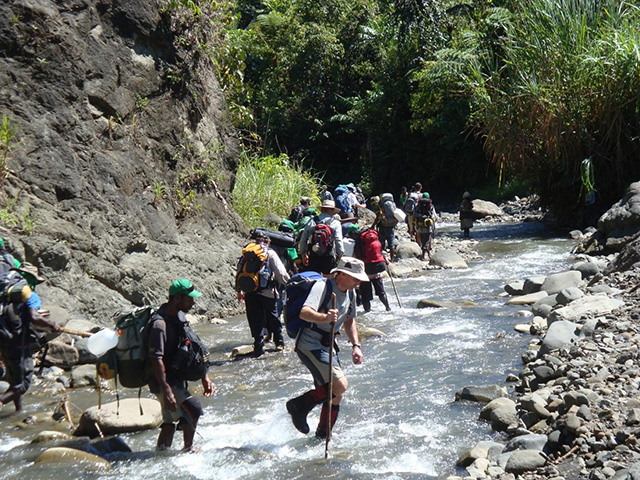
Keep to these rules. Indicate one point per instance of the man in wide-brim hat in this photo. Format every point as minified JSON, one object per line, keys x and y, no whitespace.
{"x":312,"y":344}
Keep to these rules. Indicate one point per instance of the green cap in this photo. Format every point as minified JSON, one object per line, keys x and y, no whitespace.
{"x":183,"y":286}
{"x":353,"y":229}
{"x":2,"y":242}
{"x":426,"y":195}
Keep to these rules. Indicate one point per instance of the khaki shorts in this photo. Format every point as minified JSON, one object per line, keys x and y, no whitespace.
{"x":317,"y":361}
{"x":182,"y":394}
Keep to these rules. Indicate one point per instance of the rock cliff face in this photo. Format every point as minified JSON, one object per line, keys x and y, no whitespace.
{"x":117,"y":119}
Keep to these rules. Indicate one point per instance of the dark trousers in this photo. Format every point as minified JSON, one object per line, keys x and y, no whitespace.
{"x":262,"y":315}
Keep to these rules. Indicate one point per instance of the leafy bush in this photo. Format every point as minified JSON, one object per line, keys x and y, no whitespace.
{"x":271,"y":184}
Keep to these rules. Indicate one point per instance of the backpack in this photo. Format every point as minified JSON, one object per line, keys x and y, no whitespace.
{"x":423,"y":213}
{"x":10,"y":324}
{"x":253,"y":272}
{"x":7,"y":262}
{"x":191,"y":360}
{"x":14,"y":287}
{"x":277,"y":238}
{"x":296,"y":213}
{"x":321,"y":240}
{"x":388,"y":208}
{"x":369,"y":248}
{"x":340,"y":195}
{"x":127,"y":361}
{"x":297,"y":290}
{"x":412,"y":201}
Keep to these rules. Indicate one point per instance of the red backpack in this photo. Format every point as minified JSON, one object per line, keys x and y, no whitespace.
{"x":370,"y":248}
{"x":321,"y":240}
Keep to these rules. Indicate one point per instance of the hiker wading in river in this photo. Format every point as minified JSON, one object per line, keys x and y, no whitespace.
{"x":312,"y":344}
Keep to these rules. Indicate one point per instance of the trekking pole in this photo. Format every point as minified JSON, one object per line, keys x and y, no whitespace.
{"x":71,"y":331}
{"x":330,"y":398}
{"x":393,"y":284}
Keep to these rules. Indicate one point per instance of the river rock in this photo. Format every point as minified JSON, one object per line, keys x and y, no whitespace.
{"x":83,"y":376}
{"x":426,"y":303}
{"x":84,"y":460}
{"x":568,"y":295}
{"x":559,"y":281}
{"x":51,"y":436}
{"x":528,"y":299}
{"x":61,"y":355}
{"x":406,"y":250}
{"x":241,"y":351}
{"x":369,"y":332}
{"x":515,"y":288}
{"x":447,"y":259}
{"x":522,"y":461}
{"x":586,"y":269}
{"x":544,"y":306}
{"x":129,"y":419}
{"x":533,"y":284}
{"x":526,"y":442}
{"x":559,"y":334}
{"x":485,"y":208}
{"x":590,"y":305}
{"x":481,"y":393}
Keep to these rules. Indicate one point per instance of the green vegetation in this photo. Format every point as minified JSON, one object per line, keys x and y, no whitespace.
{"x":271,"y":184}
{"x":500,"y":97}
{"x":8,"y":132}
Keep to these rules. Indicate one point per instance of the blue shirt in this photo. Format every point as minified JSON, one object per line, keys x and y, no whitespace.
{"x":34,"y":301}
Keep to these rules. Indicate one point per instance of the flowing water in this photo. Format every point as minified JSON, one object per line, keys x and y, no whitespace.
{"x":398,"y":420}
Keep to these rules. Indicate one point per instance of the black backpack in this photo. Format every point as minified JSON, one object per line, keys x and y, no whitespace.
{"x":7,"y":262}
{"x":191,"y":361}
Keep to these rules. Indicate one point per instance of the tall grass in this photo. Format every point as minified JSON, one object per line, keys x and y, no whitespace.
{"x":271,"y":184}
{"x":565,"y":86}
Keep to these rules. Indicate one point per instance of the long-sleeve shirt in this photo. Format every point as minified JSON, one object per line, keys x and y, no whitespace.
{"x":279,"y":272}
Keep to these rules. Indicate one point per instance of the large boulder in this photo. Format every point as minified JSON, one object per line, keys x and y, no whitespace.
{"x":408,"y":250}
{"x":483,"y":208}
{"x":590,"y":305}
{"x":617,"y":227}
{"x":76,"y":459}
{"x":127,"y":418}
{"x":447,"y":259}
{"x":559,"y":281}
{"x":481,"y":393}
{"x":528,"y":299}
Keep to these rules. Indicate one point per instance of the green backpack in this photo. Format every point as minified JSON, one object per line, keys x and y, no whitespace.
{"x":128,"y":362}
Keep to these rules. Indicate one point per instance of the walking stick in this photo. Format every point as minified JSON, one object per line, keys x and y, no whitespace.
{"x":331,"y":337}
{"x":78,"y":333}
{"x":393,"y":284}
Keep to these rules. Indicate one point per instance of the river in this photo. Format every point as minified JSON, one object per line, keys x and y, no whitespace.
{"x":399,"y":419}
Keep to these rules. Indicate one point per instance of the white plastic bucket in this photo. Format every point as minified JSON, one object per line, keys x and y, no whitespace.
{"x":399,"y":215}
{"x":100,"y":342}
{"x":349,"y":245}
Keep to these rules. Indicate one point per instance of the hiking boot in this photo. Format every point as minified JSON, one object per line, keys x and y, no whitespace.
{"x":278,"y":341}
{"x":258,"y":347}
{"x":299,"y":408}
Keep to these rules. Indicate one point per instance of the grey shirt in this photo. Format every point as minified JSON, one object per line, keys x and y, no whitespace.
{"x":309,"y":339}
{"x":277,"y":268}
{"x":336,"y":228}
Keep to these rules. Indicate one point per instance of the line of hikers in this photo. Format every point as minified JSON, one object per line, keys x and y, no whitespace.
{"x":318,"y":260}
{"x":315,"y":269}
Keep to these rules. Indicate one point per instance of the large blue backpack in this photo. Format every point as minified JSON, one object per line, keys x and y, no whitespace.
{"x":340,"y":194}
{"x":297,"y":289}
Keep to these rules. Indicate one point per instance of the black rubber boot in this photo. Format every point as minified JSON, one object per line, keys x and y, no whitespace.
{"x":299,"y":408}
